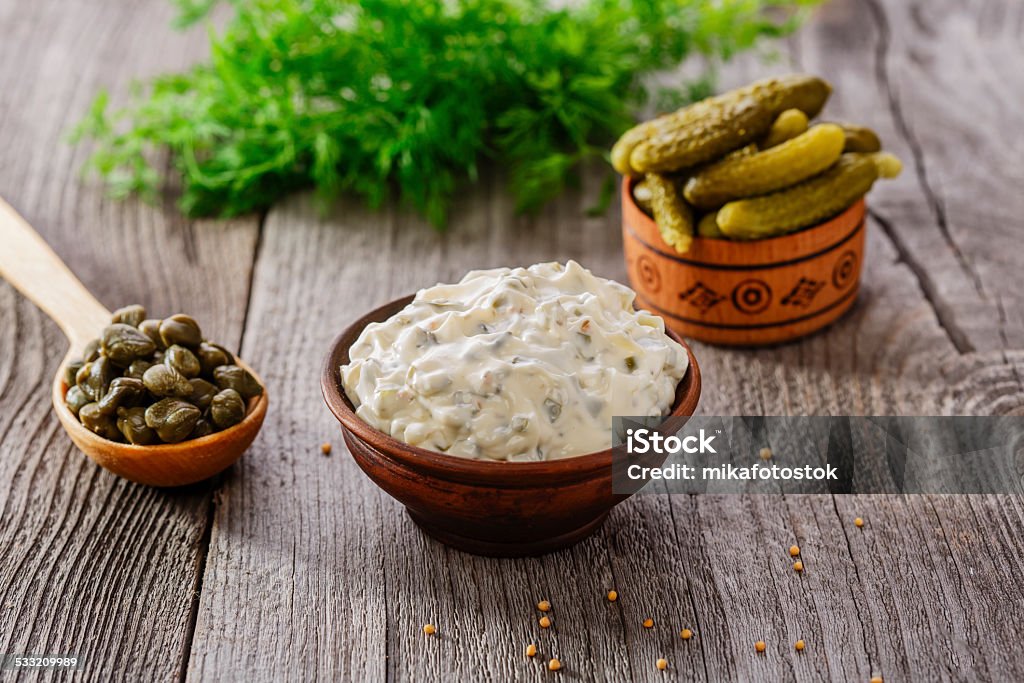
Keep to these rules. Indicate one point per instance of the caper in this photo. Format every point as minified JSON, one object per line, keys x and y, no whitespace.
{"x":124,"y":343}
{"x":98,"y":422}
{"x":172,"y":418}
{"x":138,"y":368}
{"x":212,"y":356}
{"x":75,"y":398}
{"x":91,"y":351}
{"x":147,"y":381}
{"x":237,"y":378}
{"x":182,"y":360}
{"x":180,"y":329}
{"x":202,"y":393}
{"x":123,"y":392}
{"x":202,"y":428}
{"x":227,"y":409}
{"x":129,"y":315}
{"x":151,"y":328}
{"x":94,"y":378}
{"x":71,"y":372}
{"x":163,"y":380}
{"x":131,"y":422}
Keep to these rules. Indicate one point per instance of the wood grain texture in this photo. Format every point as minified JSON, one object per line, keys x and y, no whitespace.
{"x":94,"y":565}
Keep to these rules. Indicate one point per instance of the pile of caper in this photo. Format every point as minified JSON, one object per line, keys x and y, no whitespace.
{"x":147,"y":381}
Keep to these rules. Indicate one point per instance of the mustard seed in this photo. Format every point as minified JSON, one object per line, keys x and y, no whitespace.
{"x":766,"y":453}
{"x":545,"y":622}
{"x":662,"y":664}
{"x":429,"y":629}
{"x":612,"y":596}
{"x":686,"y":634}
{"x":531,"y":650}
{"x":544,"y":606}
{"x":858,"y":522}
{"x":325,"y":448}
{"x":798,"y":566}
{"x":794,"y":550}
{"x":799,"y":645}
{"x":648,"y":623}
{"x":876,"y":679}
{"x":760,"y":646}
{"x":554,"y":665}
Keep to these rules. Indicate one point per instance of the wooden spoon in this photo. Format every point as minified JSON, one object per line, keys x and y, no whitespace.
{"x":28,"y":263}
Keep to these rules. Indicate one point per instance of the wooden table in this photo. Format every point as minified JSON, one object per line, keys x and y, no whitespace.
{"x":294,"y":566}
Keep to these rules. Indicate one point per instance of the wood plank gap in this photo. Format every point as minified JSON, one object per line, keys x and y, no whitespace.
{"x":860,"y":584}
{"x":197,"y":591}
{"x":203,"y":551}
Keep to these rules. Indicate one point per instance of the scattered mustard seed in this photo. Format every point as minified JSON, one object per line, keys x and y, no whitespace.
{"x":799,"y":645}
{"x":760,"y":646}
{"x":766,"y":453}
{"x":858,"y":522}
{"x":325,"y":448}
{"x":798,"y":566}
{"x":554,"y":664}
{"x":544,"y":606}
{"x":876,"y":679}
{"x":794,"y":550}
{"x":545,"y":622}
{"x":686,"y":634}
{"x":662,"y":664}
{"x":612,"y":596}
{"x":531,"y":650}
{"x":648,"y":623}
{"x":429,"y":629}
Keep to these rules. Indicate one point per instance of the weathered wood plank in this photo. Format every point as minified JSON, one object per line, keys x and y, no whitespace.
{"x":94,"y":565}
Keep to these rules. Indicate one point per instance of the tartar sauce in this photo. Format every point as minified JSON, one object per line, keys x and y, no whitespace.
{"x":519,"y":364}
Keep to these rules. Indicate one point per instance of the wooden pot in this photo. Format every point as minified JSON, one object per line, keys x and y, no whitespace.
{"x":502,"y":509}
{"x":746,"y":293}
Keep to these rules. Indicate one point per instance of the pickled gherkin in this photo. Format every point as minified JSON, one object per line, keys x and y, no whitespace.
{"x":781,"y":166}
{"x":860,"y":138}
{"x":642,"y":196}
{"x":673,"y":216}
{"x":686,"y":128}
{"x":793,"y":91}
{"x":625,"y":145}
{"x":722,"y":130}
{"x":787,"y":126}
{"x":808,"y":203}
{"x":707,"y":226}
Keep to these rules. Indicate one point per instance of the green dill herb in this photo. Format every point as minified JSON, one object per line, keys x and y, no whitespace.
{"x":406,"y":98}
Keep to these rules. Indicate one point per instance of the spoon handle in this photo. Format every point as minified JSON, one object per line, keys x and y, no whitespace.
{"x":28,"y":263}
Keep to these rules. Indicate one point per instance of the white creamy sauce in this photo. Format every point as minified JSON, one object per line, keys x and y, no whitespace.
{"x":519,"y":364}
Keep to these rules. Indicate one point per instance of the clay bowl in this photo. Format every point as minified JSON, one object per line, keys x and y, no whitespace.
{"x":746,"y":293}
{"x":485,"y":508}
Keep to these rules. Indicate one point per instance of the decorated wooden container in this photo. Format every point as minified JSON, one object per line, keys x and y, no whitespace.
{"x":746,"y":293}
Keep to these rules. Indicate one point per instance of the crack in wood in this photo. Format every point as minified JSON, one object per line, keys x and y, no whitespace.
{"x":957,"y":335}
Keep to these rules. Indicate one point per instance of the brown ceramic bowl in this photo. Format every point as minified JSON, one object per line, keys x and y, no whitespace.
{"x":486,"y":508}
{"x":746,"y":293}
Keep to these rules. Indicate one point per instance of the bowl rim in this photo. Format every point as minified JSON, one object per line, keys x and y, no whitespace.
{"x":799,"y":245}
{"x":454,"y":467}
